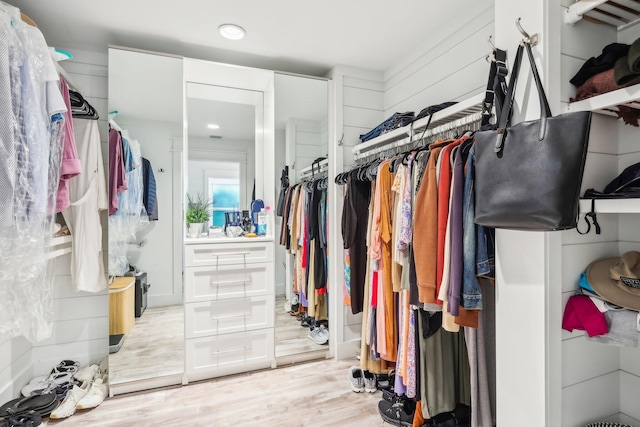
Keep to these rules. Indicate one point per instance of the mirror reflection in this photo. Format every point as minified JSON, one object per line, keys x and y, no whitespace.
{"x":301,"y":322}
{"x":221,"y":151}
{"x":146,"y":316}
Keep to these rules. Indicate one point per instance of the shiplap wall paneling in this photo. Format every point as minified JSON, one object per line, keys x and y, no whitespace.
{"x":81,"y":324}
{"x":591,"y":400}
{"x":16,"y":368}
{"x":363,"y":109}
{"x":452,"y":70}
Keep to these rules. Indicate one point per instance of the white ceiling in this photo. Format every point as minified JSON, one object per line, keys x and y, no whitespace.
{"x":290,"y":35}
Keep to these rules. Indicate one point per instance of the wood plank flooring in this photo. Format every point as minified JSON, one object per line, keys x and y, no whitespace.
{"x":155,"y":346}
{"x":290,"y":337}
{"x":315,"y":394}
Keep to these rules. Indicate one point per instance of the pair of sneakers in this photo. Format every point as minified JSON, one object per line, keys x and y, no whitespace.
{"x":319,"y":335}
{"x":362,"y":380}
{"x":90,"y":393}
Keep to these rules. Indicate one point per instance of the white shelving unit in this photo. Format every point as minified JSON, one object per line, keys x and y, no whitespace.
{"x":619,"y":13}
{"x":320,"y":167}
{"x":608,"y":103}
{"x":613,"y":206}
{"x":467,"y":111}
{"x":60,"y":246}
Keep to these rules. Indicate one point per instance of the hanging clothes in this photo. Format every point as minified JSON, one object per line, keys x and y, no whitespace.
{"x":88,"y":196}
{"x":32,"y":114}
{"x":422,"y":298}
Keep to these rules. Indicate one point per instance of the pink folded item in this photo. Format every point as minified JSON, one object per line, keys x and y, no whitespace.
{"x":582,"y":314}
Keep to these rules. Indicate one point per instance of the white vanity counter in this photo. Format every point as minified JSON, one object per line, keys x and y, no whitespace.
{"x":207,"y":240}
{"x":229,"y":305}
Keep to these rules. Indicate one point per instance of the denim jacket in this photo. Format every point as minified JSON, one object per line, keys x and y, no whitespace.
{"x":471,"y":293}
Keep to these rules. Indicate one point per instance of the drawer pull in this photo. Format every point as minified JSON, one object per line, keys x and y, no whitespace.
{"x":230,"y":282}
{"x":232,"y":316}
{"x":236,"y":350}
{"x":243,"y":254}
{"x":230,"y":254}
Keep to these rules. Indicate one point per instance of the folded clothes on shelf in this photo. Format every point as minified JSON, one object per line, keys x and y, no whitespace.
{"x":396,"y":121}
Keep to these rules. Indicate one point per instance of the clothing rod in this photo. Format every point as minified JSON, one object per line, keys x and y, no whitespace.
{"x":455,"y":124}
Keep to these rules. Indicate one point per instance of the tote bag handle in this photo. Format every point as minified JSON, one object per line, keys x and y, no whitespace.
{"x":545,"y":111}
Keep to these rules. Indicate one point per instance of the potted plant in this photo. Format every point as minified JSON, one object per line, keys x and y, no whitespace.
{"x":198,"y":213}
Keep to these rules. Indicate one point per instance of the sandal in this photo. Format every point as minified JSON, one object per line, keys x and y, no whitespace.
{"x":66,"y":366}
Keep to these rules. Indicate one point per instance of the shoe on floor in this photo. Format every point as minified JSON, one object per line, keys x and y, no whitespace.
{"x":96,"y":394}
{"x":319,"y":335}
{"x":87,"y":373}
{"x":356,"y":378}
{"x":395,"y":413}
{"x":68,"y":405}
{"x":370,"y":382}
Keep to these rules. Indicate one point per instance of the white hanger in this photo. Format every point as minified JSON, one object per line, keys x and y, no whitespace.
{"x":112,"y":122}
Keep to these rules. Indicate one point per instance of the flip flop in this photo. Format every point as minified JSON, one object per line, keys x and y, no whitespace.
{"x":28,"y":419}
{"x":22,"y":405}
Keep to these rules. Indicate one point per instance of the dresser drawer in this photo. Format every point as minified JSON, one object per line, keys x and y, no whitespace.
{"x":228,"y":354}
{"x":227,"y":282}
{"x":228,"y":253}
{"x":227,"y":316}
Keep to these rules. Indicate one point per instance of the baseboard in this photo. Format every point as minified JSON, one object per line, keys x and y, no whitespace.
{"x":146,"y":384}
{"x":301,"y":357}
{"x":348,"y":350}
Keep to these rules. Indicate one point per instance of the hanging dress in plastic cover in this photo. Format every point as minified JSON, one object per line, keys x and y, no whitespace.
{"x":30,"y":153}
{"x":131,"y":215}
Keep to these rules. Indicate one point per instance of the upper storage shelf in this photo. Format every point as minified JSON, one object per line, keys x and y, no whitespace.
{"x":619,"y":13}
{"x":611,"y":205}
{"x":470,"y":109}
{"x":608,"y":103}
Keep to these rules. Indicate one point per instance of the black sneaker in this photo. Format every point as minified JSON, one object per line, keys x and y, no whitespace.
{"x":395,"y":413}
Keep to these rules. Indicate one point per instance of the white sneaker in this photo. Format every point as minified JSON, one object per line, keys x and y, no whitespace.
{"x":87,"y":373}
{"x":68,"y":405}
{"x":96,"y":394}
{"x":356,"y":378}
{"x":370,"y":382}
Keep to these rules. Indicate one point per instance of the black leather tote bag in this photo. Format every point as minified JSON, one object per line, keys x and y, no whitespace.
{"x":528,"y":175}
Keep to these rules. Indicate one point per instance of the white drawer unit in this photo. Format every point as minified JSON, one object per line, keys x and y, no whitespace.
{"x":228,"y":316}
{"x":228,"y":281}
{"x":228,"y":253}
{"x":229,"y":306}
{"x":219,"y":355}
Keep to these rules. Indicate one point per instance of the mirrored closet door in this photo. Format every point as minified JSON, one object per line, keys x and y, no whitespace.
{"x":145,"y":246}
{"x":301,"y":129}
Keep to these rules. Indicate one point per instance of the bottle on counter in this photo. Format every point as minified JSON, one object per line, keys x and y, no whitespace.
{"x":263,"y":220}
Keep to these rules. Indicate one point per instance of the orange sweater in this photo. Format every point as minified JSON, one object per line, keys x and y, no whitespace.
{"x":425,"y":227}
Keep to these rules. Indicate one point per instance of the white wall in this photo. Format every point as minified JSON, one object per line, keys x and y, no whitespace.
{"x":280,"y":251}
{"x":453,"y":70}
{"x":80,"y":330}
{"x":221,"y":150}
{"x":156,"y":255}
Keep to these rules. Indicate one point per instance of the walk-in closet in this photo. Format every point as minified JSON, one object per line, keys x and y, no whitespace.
{"x":265,"y":214}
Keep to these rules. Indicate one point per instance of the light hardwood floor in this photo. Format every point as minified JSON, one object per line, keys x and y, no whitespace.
{"x":155,"y":346}
{"x":314,"y":394}
{"x":290,"y":337}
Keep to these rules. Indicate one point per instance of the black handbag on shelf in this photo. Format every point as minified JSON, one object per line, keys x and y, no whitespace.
{"x":528,"y":175}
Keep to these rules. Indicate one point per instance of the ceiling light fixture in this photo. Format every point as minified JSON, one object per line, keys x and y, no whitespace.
{"x":213,"y":126}
{"x":231,"y":31}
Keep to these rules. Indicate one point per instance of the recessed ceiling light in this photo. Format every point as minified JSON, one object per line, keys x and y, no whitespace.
{"x":231,"y":31}
{"x":213,"y":126}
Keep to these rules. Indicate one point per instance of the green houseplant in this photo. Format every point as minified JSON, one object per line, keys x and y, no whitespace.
{"x":198,"y":212}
